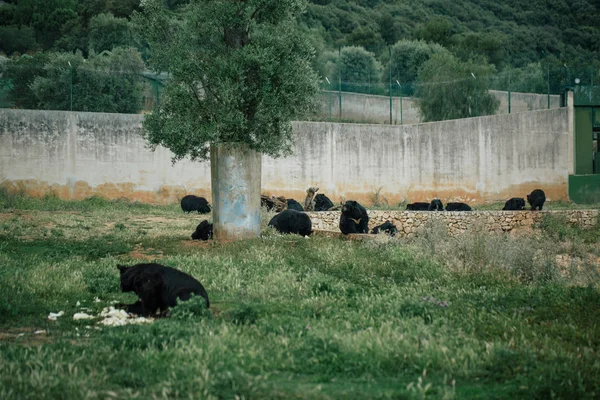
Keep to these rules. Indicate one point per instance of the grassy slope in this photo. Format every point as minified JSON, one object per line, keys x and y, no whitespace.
{"x":293,"y":317}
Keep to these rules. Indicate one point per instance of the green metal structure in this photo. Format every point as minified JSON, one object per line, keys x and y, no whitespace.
{"x":584,"y":184}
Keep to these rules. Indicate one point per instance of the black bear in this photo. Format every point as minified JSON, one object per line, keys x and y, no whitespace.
{"x":387,"y":227}
{"x":536,"y":199}
{"x":191,"y":203}
{"x":158,"y":287}
{"x":204,"y":231}
{"x":514,"y":204}
{"x":322,"y":202}
{"x":354,"y":218}
{"x":436,"y":205}
{"x":418,"y":206}
{"x":292,"y":221}
{"x":294,"y":205}
{"x":457,"y":207}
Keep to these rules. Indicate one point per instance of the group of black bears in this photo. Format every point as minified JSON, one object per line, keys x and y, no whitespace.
{"x":353,"y":219}
{"x":160,"y":287}
{"x":437,"y":205}
{"x":536,"y":200}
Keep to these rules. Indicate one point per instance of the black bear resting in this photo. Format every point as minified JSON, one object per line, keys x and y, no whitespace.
{"x":457,"y":207}
{"x":322,"y":203}
{"x":292,"y":221}
{"x":514,"y":204}
{"x":294,"y":205}
{"x":158,"y":287}
{"x":387,"y":227}
{"x":418,"y":206}
{"x":354,"y":218}
{"x":436,"y":205}
{"x":204,"y":231}
{"x":191,"y":203}
{"x":536,"y":199}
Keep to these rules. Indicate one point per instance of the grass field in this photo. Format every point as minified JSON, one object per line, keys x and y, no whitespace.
{"x":473,"y":316}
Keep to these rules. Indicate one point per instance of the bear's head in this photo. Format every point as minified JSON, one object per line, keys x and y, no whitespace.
{"x":351,"y":209}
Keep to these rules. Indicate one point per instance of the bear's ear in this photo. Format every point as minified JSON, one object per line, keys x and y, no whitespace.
{"x":122,"y":268}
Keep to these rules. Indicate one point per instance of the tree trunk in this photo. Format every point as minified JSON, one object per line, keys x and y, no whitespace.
{"x":236,"y":182}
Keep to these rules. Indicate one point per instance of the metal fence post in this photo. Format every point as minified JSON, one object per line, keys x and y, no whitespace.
{"x":340,"y":78}
{"x":71,"y":85}
{"x":509,"y":93}
{"x":390,"y":51}
{"x":548,"y":86}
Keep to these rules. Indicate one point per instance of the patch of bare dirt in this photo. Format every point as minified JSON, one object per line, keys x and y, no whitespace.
{"x":147,"y":254}
{"x":25,"y":335}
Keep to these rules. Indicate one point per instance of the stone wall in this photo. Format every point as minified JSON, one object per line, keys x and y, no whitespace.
{"x":409,"y":222}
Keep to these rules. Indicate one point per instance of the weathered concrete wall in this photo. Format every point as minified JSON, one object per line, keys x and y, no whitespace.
{"x":376,"y":109}
{"x":367,"y":108}
{"x":410,"y":222}
{"x":79,"y":154}
{"x":520,"y":102}
{"x":474,"y":160}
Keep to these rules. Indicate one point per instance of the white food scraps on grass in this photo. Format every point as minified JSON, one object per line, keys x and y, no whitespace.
{"x":52,"y":316}
{"x":115,"y":317}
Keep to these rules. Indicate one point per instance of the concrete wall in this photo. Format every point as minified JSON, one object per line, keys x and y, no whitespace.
{"x":376,"y":109}
{"x":474,"y":160}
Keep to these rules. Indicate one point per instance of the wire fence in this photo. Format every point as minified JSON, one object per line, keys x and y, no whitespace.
{"x":376,"y":98}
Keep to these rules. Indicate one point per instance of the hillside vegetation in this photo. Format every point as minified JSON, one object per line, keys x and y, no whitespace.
{"x":362,"y":46}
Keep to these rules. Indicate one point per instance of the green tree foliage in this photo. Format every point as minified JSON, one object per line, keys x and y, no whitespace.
{"x":522,"y":30}
{"x":46,"y":17}
{"x":107,"y":32}
{"x":529,"y":79}
{"x":437,"y":30}
{"x":447,"y":90}
{"x":367,"y":37}
{"x":240,"y":72}
{"x":105,"y":82}
{"x":17,"y":39}
{"x":408,"y":56}
{"x":19,"y":74}
{"x":359,"y":69}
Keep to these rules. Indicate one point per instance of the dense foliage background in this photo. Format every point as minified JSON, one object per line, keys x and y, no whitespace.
{"x":524,"y":46}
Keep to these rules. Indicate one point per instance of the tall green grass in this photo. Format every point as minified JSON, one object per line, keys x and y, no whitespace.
{"x":478,"y":315}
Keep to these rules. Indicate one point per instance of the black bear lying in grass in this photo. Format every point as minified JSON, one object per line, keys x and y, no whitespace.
{"x":204,"y":231}
{"x":158,"y":287}
{"x":322,"y":202}
{"x":457,"y":207}
{"x":294,"y":205}
{"x":191,"y":203}
{"x":387,"y":227}
{"x":514,"y":204}
{"x":292,"y":221}
{"x":436,"y":205}
{"x":536,"y":199}
{"x":418,"y":206}
{"x":354,"y":218}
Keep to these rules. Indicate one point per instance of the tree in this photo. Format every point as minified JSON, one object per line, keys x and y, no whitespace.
{"x":106,"y":82}
{"x":408,"y":56}
{"x":17,"y":39}
{"x":107,"y":32}
{"x":437,"y":30}
{"x":19,"y":74}
{"x":239,"y":73}
{"x":46,"y":17}
{"x":447,"y":89}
